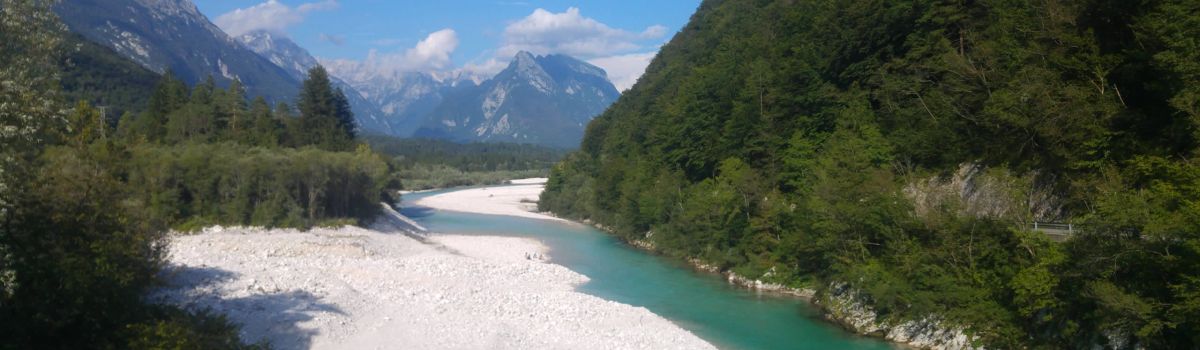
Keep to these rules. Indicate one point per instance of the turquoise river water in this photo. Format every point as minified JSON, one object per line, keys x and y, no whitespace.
{"x":724,"y":315}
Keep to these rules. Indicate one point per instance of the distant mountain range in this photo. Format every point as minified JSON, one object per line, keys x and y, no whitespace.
{"x":404,"y":98}
{"x":543,"y":100}
{"x":546,"y":100}
{"x":294,"y":59}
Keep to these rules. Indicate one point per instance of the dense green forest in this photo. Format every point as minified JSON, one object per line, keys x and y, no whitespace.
{"x":905,"y":146}
{"x":100,"y":76}
{"x":85,"y":204}
{"x":427,"y":163}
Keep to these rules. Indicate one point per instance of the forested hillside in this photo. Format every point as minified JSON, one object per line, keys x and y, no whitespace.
{"x":85,"y":206}
{"x":102,"y":77}
{"x":904,"y":147}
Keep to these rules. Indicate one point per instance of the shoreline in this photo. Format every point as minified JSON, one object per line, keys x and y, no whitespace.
{"x":838,"y":302}
{"x":519,"y":198}
{"x":531,"y":180}
{"x":396,"y":286}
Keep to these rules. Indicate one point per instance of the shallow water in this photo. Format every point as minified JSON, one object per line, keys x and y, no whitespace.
{"x":724,"y":315}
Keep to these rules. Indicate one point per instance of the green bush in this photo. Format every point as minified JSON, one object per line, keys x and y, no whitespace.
{"x":195,"y":185}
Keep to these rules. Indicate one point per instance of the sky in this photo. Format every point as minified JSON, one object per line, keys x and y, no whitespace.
{"x":478,"y":36}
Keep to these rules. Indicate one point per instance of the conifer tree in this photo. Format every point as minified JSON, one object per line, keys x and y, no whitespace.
{"x":325,"y":118}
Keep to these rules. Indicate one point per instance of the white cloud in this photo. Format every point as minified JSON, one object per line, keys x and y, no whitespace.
{"x":654,"y":32}
{"x":271,"y":16}
{"x":428,"y":55}
{"x":623,"y":54}
{"x":570,"y":33}
{"x":478,"y":71}
{"x":624,"y":70}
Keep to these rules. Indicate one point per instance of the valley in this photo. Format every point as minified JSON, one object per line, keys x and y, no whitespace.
{"x":730,"y":174}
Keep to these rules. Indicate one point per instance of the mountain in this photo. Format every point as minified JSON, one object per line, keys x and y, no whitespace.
{"x":545,"y":100}
{"x":286,"y":54}
{"x":105,"y":78}
{"x":281,"y":51}
{"x":173,"y":35}
{"x":404,"y":98}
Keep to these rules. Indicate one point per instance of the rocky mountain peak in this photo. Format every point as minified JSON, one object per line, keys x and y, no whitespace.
{"x":281,"y":51}
{"x":528,"y":68}
{"x":176,"y":8}
{"x":544,"y":100}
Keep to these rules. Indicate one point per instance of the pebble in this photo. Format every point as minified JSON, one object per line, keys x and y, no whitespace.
{"x":325,"y":293}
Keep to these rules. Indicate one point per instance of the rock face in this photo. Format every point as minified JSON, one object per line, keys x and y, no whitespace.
{"x":546,"y":100}
{"x":848,"y":307}
{"x":987,"y":193}
{"x":173,"y":35}
{"x":286,"y":54}
{"x":404,"y":99}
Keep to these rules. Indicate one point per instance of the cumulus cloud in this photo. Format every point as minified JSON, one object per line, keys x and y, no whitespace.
{"x":624,"y":54}
{"x":271,"y":16}
{"x":570,"y":33}
{"x":479,"y":71}
{"x":428,"y":55}
{"x":624,"y":70}
{"x":654,"y":32}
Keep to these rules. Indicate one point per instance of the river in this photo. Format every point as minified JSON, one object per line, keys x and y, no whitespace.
{"x":703,"y":303}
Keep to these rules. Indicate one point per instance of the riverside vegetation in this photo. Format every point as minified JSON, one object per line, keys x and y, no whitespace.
{"x":428,"y":163}
{"x":824,"y":143}
{"x":84,"y":205}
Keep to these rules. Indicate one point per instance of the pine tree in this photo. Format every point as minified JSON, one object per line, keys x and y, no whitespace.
{"x":232,"y":111}
{"x":325,"y":117}
{"x":267,"y":129}
{"x":169,"y":95}
{"x":345,"y":116}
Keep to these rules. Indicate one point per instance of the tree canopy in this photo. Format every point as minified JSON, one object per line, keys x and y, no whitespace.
{"x":904,"y":147}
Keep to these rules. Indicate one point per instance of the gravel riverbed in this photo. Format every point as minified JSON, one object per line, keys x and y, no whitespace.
{"x":386,"y":288}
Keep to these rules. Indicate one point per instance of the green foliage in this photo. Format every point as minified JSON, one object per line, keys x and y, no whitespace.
{"x":208,"y":113}
{"x":178,"y":330}
{"x":427,"y":164}
{"x":325,"y":117}
{"x":466,"y":156}
{"x":84,"y":208}
{"x":102,"y":77}
{"x":195,"y":185}
{"x":792,"y":136}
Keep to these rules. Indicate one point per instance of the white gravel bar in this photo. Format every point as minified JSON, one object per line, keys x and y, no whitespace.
{"x":519,"y":199}
{"x":395,"y":287}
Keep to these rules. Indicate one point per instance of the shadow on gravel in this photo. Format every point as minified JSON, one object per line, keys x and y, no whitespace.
{"x":273,"y":316}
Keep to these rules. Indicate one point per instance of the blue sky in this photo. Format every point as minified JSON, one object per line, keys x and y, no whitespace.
{"x":476,"y":35}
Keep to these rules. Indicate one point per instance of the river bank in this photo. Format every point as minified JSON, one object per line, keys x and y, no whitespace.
{"x":393,"y":286}
{"x":838,"y":302}
{"x":518,"y":199}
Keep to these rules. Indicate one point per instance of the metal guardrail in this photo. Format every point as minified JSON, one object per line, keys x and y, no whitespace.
{"x":1055,"y":226}
{"x":1057,"y":231}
